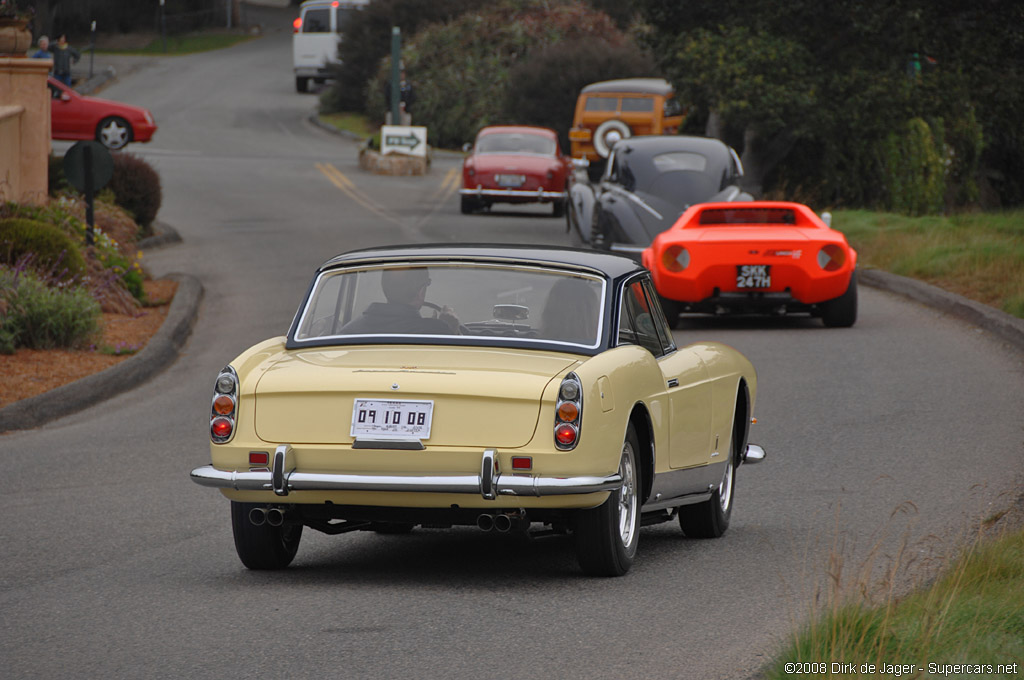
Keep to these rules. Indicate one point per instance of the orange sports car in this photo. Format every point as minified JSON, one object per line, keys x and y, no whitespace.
{"x":757,"y":257}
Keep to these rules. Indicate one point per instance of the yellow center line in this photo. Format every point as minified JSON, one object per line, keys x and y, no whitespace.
{"x":338,"y":179}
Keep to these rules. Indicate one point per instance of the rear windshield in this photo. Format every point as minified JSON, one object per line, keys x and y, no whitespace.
{"x":505,"y":304}
{"x":316,"y":21}
{"x":500,"y":142}
{"x":679,"y":177}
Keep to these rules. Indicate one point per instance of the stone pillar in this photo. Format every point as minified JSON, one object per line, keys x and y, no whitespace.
{"x":24,"y":117}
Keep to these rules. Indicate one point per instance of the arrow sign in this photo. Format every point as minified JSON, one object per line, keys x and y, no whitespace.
{"x":406,"y":139}
{"x":411,"y":141}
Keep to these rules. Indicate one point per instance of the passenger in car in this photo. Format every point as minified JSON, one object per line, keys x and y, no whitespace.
{"x":571,"y":312}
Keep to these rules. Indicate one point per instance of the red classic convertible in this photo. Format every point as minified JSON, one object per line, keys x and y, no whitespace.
{"x":113,"y":124}
{"x":515,"y":164}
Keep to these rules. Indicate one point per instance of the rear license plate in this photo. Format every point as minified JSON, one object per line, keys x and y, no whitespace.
{"x":753,"y":276}
{"x":509,"y":180}
{"x":391,"y":419}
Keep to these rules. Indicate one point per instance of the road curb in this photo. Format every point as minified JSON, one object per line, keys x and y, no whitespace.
{"x":998,"y":323}
{"x":163,"y":235}
{"x":160,"y":352}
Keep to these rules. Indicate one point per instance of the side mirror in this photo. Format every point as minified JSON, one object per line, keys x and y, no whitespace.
{"x":65,"y":97}
{"x":826,"y":217}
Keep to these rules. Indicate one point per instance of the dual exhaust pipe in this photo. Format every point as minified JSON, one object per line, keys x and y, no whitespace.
{"x":272,"y":516}
{"x":502,"y":523}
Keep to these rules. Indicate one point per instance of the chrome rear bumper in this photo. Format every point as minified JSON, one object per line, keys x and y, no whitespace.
{"x":282,"y":479}
{"x":512,"y":193}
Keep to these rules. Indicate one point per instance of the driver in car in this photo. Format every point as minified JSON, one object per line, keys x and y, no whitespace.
{"x":405,"y":290}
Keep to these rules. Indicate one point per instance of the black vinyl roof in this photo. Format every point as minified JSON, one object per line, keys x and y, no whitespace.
{"x":610,"y":264}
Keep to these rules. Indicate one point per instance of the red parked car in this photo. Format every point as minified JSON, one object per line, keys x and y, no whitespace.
{"x":515,"y":164}
{"x":113,"y":124}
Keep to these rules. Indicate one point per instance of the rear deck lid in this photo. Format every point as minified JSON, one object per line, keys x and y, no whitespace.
{"x":480,"y":397}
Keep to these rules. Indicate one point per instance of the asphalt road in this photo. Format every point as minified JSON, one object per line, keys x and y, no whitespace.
{"x":885,"y":442}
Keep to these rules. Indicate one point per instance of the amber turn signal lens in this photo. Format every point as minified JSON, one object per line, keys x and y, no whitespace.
{"x":224,"y":405}
{"x":568,"y":411}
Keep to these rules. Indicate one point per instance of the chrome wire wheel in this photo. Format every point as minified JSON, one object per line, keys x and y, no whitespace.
{"x":628,"y":504}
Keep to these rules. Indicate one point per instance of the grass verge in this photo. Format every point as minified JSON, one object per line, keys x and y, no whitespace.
{"x":968,"y":623}
{"x":356,"y":123}
{"x":977,"y":255}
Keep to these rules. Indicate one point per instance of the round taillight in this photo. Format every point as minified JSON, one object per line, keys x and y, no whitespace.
{"x":225,"y":383}
{"x":297,"y":24}
{"x":568,"y":411}
{"x":221,"y":427}
{"x":224,"y":405}
{"x":831,"y":257}
{"x":565,"y":434}
{"x":675,"y":258}
{"x":570,"y":390}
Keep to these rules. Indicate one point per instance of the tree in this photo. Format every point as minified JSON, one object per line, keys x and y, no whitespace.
{"x":809,"y":90}
{"x":368,"y":40}
{"x":461,"y":68}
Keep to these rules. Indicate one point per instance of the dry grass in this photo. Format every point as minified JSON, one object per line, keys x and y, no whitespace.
{"x":978,"y":255}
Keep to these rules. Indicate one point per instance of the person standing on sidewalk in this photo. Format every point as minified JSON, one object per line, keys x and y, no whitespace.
{"x":63,"y":56}
{"x":44,"y":49}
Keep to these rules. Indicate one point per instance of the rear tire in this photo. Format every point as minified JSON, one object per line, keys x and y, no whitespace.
{"x":469,"y":205}
{"x":607,"y":536}
{"x":841,"y":312}
{"x":558,"y":207}
{"x":263,"y":547}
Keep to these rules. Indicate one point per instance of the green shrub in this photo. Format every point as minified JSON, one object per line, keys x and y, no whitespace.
{"x":368,"y":40}
{"x":50,"y":247}
{"x":136,"y":187}
{"x":38,"y":316}
{"x":56,"y":181}
{"x":914,"y":170}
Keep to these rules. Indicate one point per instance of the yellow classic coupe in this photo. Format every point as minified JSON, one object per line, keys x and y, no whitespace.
{"x":504,"y":387}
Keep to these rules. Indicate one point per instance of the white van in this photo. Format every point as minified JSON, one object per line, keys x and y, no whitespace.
{"x":316,"y":35}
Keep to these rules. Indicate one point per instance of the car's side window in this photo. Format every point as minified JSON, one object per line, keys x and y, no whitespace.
{"x":668,"y":344}
{"x":637,"y":325}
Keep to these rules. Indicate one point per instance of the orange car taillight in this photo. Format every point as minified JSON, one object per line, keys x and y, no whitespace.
{"x":297,"y":25}
{"x":224,"y":408}
{"x":568,"y":413}
{"x":831,"y":257}
{"x":675,"y":258}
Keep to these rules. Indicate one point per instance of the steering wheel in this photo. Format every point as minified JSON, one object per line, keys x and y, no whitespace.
{"x":463,"y":330}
